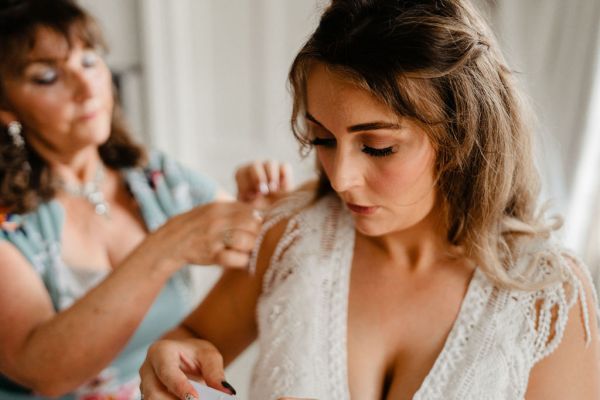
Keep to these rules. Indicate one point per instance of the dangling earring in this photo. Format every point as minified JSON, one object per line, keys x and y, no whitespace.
{"x":14,"y":130}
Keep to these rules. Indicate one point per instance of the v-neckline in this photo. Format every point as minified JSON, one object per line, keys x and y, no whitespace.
{"x":441,"y":358}
{"x":125,"y":174}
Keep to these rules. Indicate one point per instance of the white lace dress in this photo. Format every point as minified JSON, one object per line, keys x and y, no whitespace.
{"x":302,"y":318}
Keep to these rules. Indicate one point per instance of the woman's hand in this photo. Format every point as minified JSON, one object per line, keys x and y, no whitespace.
{"x":263,"y":183}
{"x":222,"y":233}
{"x":170,"y":364}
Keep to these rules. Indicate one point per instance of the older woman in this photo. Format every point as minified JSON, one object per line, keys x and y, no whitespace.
{"x":419,"y":268}
{"x":95,"y":235}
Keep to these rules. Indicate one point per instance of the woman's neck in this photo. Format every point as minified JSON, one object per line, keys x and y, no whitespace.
{"x":76,"y":168}
{"x":418,"y":247}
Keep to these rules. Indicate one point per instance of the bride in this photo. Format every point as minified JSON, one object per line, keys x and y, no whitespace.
{"x":419,"y":267}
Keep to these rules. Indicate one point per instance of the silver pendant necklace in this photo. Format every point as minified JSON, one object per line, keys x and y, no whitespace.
{"x":90,"y":191}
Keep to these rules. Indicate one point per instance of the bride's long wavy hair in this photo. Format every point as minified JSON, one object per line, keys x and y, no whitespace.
{"x":437,"y":62}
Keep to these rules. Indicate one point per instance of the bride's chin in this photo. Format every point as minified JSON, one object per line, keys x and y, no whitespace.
{"x":370,"y":229}
{"x":381,"y":227}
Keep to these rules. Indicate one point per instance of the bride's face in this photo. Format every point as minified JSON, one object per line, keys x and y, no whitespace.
{"x":380,"y":165}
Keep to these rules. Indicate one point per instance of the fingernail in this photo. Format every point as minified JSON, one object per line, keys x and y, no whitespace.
{"x":264,"y":188}
{"x":274,"y":186}
{"x":257,"y":214}
{"x":189,"y":396}
{"x":227,"y":386}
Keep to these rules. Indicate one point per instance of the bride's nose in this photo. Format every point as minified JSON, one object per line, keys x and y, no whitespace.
{"x":346,"y":172}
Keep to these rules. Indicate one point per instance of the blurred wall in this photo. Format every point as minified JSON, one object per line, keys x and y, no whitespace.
{"x":554,"y":48}
{"x":120,"y":23}
{"x":215,"y":73}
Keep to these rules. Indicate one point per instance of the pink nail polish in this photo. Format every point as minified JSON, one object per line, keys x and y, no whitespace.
{"x":264,"y":188}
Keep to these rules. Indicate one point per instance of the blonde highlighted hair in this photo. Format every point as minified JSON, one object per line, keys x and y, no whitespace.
{"x":437,"y":62}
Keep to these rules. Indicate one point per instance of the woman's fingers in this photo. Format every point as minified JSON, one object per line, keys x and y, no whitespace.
{"x":237,"y":248}
{"x":175,"y":380}
{"x":168,"y":363}
{"x":246,"y":219}
{"x":286,"y":179}
{"x":272,"y":171}
{"x":239,"y":240}
{"x":152,"y":386}
{"x":217,"y":233}
{"x":213,"y":370}
{"x":233,"y":259}
{"x":259,"y":179}
{"x":251,"y":181}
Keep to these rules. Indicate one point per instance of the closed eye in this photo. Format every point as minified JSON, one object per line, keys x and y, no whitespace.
{"x":46,"y":77}
{"x":323,"y":142}
{"x":383,"y":152}
{"x":89,"y":58}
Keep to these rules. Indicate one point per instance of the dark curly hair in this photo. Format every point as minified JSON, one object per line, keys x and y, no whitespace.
{"x":25,"y":178}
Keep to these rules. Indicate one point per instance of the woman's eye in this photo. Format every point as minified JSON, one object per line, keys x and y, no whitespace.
{"x":47,"y":77}
{"x":383,"y":152}
{"x":89,"y":59}
{"x":323,"y":142}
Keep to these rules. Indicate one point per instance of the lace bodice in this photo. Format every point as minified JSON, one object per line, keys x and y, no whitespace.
{"x":497,"y":338}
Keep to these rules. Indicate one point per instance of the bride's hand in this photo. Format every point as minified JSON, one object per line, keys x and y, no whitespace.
{"x":261,"y":183}
{"x":170,"y":364}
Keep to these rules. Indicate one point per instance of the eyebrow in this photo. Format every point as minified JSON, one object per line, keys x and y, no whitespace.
{"x":48,"y":60}
{"x":367,"y":126}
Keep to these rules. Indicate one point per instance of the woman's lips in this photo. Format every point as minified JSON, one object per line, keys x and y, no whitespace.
{"x":362,"y":210}
{"x":89,"y":115}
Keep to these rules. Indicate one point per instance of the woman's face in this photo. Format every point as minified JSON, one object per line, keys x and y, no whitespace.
{"x":380,"y":165}
{"x":63,"y":96}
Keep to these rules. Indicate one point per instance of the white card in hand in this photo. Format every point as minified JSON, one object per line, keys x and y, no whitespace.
{"x":208,"y":393}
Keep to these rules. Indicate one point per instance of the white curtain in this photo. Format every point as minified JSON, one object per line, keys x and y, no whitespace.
{"x":555,"y":47}
{"x":216,"y":79}
{"x":120,"y":25}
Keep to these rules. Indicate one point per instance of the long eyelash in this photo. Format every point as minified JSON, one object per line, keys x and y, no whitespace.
{"x":44,"y":81}
{"x":323,"y":142}
{"x":90,"y":62}
{"x":388,"y":151}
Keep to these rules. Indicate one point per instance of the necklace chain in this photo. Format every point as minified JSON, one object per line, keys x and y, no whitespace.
{"x":90,"y":191}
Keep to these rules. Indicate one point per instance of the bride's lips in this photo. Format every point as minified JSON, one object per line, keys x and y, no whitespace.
{"x":362,"y":210}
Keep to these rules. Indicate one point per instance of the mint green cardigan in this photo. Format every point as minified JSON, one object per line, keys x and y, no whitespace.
{"x":162,"y":189}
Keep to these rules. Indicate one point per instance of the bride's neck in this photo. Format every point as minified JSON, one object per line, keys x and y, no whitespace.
{"x":421,"y":245}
